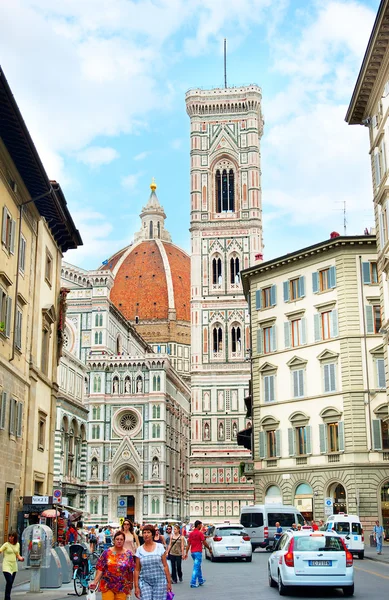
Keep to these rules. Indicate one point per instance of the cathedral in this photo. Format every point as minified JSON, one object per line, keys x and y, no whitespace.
{"x":162,"y":340}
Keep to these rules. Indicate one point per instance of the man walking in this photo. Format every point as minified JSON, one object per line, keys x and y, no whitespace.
{"x":378,"y":531}
{"x":196,"y":542}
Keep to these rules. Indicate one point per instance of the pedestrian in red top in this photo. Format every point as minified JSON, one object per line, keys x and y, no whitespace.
{"x":315,"y":527}
{"x":196,"y":541}
{"x":71,"y":535}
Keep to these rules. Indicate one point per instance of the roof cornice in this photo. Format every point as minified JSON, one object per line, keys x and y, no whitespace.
{"x":372,"y":62}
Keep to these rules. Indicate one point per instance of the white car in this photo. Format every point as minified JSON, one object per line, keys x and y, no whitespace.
{"x":311,"y":558}
{"x":228,"y":541}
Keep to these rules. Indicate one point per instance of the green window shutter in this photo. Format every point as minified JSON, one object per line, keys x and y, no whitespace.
{"x":381,"y":380}
{"x":19,"y":423}
{"x":12,"y":237}
{"x":12,"y":416}
{"x":262,"y":444}
{"x":369,"y":319}
{"x":3,"y":410}
{"x":334,"y":323}
{"x":278,"y":443}
{"x":332,"y":277}
{"x":271,"y":388}
{"x":287,"y":334}
{"x":258,"y":299}
{"x":303,"y":330}
{"x":315,"y":282}
{"x":323,"y":438}
{"x":308,"y":430}
{"x":301,"y":382}
{"x":327,"y":378}
{"x":8,"y":317}
{"x":291,"y":444}
{"x":341,"y":436}
{"x":295,"y":384}
{"x":317,"y":327}
{"x":286,"y":291}
{"x":301,"y":286}
{"x":366,"y":272}
{"x":4,"y":227}
{"x":273,"y":295}
{"x":273,"y":339}
{"x":332,"y":372}
{"x":377,"y":437}
{"x":259,"y":341}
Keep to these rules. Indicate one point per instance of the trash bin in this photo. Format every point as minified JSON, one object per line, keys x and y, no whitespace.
{"x":373,"y":542}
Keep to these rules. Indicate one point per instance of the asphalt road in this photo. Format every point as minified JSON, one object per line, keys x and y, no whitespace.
{"x":239,"y":580}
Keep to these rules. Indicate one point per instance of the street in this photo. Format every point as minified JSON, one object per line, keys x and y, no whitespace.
{"x":233,"y":580}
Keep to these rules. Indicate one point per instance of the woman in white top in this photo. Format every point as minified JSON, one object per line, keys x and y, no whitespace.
{"x":131,"y":539}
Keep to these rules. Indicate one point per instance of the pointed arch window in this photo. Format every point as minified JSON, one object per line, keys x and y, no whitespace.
{"x":217,"y":339}
{"x":236,"y":339}
{"x":217,"y":276}
{"x":234,"y":270}
{"x":151,"y":230}
{"x":218,"y":191}
{"x":159,"y":229}
{"x":97,"y":383}
{"x":225,"y":190}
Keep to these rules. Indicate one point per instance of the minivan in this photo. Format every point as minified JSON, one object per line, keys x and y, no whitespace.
{"x":259,"y":520}
{"x":350,"y":529}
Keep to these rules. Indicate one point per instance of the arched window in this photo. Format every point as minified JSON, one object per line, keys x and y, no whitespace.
{"x":154,"y":383}
{"x":217,"y":339}
{"x":96,"y":337}
{"x":158,"y":412}
{"x":98,"y":320}
{"x":217,"y":277}
{"x":154,"y":431}
{"x":231,"y":192}
{"x":97,"y":383}
{"x":236,"y":341}
{"x":218,"y":192}
{"x":159,"y":229}
{"x":158,"y":431}
{"x":154,"y":412}
{"x":96,"y":413}
{"x":100,"y":337}
{"x":158,"y":384}
{"x":234,"y":270}
{"x":225,"y":190}
{"x":151,"y":230}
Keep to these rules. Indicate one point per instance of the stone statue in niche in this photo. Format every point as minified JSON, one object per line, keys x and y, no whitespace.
{"x":94,"y":471}
{"x":127,"y":385}
{"x":206,"y":431}
{"x":221,"y":431}
{"x":234,"y":430}
{"x":155,"y":470}
{"x":139,"y":385}
{"x":115,"y":386}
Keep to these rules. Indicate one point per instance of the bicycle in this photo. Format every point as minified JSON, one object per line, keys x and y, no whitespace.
{"x":84,"y":568}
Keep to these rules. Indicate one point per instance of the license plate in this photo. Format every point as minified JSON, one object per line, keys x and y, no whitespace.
{"x":320,"y":563}
{"x":232,"y":548}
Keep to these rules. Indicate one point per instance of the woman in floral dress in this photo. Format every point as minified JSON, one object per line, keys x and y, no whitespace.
{"x":115,"y":570}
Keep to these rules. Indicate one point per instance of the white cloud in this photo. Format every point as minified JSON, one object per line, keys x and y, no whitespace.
{"x":95,"y":156}
{"x":176,"y":144}
{"x":130,"y":182}
{"x":142,"y":155}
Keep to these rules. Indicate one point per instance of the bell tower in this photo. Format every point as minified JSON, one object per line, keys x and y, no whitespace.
{"x":226,"y":234}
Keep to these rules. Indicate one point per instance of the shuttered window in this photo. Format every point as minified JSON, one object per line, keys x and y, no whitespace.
{"x":298,"y":383}
{"x":268,"y":386}
{"x":380,"y":366}
{"x":329,"y":377}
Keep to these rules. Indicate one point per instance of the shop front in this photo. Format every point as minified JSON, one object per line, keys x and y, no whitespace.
{"x":303,"y":501}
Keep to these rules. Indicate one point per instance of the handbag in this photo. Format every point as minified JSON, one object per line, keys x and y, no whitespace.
{"x":169,"y":595}
{"x":91,"y":595}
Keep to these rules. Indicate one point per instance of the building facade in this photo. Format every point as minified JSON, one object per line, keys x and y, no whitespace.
{"x":320,"y":412}
{"x":138,"y":423}
{"x":36,"y":228}
{"x":226,"y":236}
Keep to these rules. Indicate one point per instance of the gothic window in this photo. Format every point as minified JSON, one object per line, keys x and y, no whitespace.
{"x":97,"y":383}
{"x":225,"y":190}
{"x":234,"y":270}
{"x":96,"y":413}
{"x":158,"y":384}
{"x":218,"y":192}
{"x":154,"y":412}
{"x":158,"y":412}
{"x":217,"y":271}
{"x":98,"y":320}
{"x":217,"y":334}
{"x":151,"y":230}
{"x":159,"y":229}
{"x":236,"y":340}
{"x":98,"y":337}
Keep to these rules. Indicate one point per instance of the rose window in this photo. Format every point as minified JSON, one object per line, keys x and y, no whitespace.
{"x":128,"y":421}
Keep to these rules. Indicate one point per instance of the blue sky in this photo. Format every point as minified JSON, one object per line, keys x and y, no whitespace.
{"x":101,"y":86}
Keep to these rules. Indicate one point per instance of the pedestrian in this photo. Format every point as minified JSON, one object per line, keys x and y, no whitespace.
{"x":115,"y":570}
{"x":158,"y":537}
{"x":175,"y":553}
{"x":71,"y":535}
{"x":152,"y":577}
{"x":108,"y":536}
{"x":322,"y":525}
{"x":167,"y":535}
{"x":315,"y":526}
{"x":196,"y":541}
{"x":92,"y":539}
{"x":378,"y":532}
{"x":278,"y":532}
{"x":11,"y":551}
{"x":101,"y":539}
{"x":131,"y":540}
{"x":140,"y":535}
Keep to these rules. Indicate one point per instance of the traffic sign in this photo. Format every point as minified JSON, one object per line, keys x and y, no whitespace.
{"x":122,"y":502}
{"x":122,"y":512}
{"x":57,"y":497}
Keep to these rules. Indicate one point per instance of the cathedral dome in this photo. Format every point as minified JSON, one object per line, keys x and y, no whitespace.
{"x":152,"y":280}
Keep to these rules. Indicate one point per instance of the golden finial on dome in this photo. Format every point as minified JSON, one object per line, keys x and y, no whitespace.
{"x":153,"y":185}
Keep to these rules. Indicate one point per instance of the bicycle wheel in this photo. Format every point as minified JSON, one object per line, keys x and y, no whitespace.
{"x":79,"y":587}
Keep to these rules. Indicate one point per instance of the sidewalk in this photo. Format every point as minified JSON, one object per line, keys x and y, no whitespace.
{"x":371,"y":554}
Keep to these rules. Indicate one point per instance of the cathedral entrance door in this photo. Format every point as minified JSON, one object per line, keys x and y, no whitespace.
{"x":131,"y":508}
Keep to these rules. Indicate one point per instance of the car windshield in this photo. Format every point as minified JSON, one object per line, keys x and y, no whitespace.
{"x":341,"y":527}
{"x":223,"y":531}
{"x":318,"y":544}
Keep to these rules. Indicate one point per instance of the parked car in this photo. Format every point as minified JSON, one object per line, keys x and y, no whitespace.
{"x":228,"y":540}
{"x":350,"y":529}
{"x":304,"y":558}
{"x":260,"y":520}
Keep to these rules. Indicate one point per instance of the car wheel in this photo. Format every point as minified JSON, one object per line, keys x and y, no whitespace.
{"x":361,"y":555}
{"x":249,"y":558}
{"x":282,"y":589}
{"x":272,"y":583}
{"x":349,"y":590}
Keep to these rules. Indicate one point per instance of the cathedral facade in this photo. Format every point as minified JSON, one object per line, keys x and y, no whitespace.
{"x":226,"y":235}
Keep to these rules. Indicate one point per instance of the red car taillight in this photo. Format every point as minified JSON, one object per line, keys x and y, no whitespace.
{"x":289,"y":556}
{"x":266,"y":532}
{"x":363,"y":537}
{"x":246,"y":538}
{"x":349,"y":559}
{"x":217,"y":538}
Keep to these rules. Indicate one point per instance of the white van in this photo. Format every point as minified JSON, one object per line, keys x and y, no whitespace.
{"x":350,"y":529}
{"x":260,"y":521}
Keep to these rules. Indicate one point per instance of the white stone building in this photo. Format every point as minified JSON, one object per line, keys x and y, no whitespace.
{"x":226,"y":236}
{"x":320,"y":412}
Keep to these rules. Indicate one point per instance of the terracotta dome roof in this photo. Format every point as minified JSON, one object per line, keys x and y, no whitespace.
{"x":151,"y":281}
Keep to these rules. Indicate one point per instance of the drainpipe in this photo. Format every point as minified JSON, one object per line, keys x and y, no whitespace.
{"x":368,"y":401}
{"x":17,"y":265}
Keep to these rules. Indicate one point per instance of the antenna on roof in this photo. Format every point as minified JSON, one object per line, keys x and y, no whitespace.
{"x":225,"y":63}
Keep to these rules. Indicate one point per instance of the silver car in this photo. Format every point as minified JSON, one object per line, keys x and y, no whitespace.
{"x":228,"y":540}
{"x":311,"y":558}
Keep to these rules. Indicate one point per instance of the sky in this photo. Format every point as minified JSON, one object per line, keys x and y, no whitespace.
{"x":101,"y":86}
